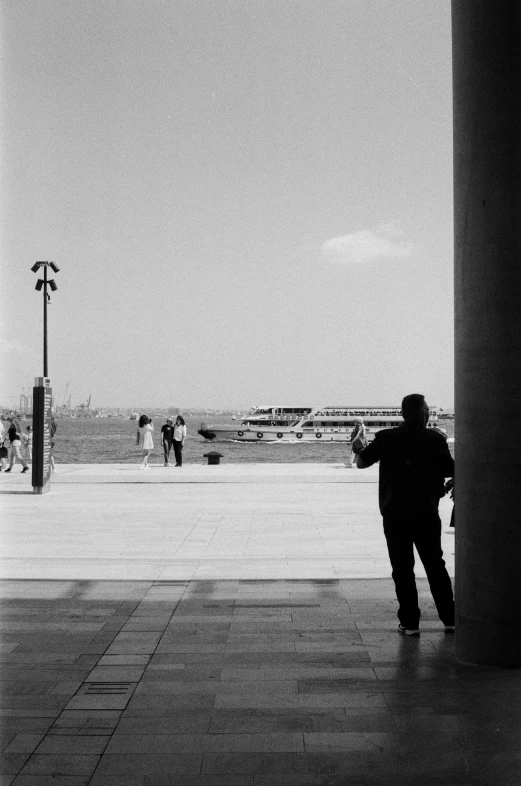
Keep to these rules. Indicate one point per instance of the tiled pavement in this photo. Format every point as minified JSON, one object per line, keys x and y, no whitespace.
{"x":251,"y":521}
{"x":226,"y":626}
{"x":243,"y":683}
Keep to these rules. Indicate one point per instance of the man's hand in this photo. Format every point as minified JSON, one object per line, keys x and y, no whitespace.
{"x":449,"y":487}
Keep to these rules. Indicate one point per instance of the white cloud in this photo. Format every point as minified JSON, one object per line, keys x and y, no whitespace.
{"x":384,"y":242}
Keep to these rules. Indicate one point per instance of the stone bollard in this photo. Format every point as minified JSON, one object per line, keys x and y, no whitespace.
{"x":213,"y":457}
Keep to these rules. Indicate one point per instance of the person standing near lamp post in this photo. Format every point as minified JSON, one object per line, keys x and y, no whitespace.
{"x":3,"y":449}
{"x":27,"y":443}
{"x":14,"y":433}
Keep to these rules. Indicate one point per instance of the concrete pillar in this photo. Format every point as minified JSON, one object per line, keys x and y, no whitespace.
{"x":487,"y":205}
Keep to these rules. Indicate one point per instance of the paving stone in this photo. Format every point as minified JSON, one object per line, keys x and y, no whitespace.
{"x":215,"y":687}
{"x":103,"y":702}
{"x":161,"y":703}
{"x":345,"y":742}
{"x":256,"y":742}
{"x":158,"y":744}
{"x":66,"y":687}
{"x":181,"y":673}
{"x":133,"y":643}
{"x":359,"y":678}
{"x":60,"y":765}
{"x":6,"y":737}
{"x":23,"y":743}
{"x":81,"y":718}
{"x":150,"y":764}
{"x":26,"y":726}
{"x":73,"y":745}
{"x":304,"y":673}
{"x":309,"y":701}
{"x":200,"y":780}
{"x":254,"y":763}
{"x":155,"y":624}
{"x":34,"y":703}
{"x":11,"y":764}
{"x":228,"y":721}
{"x":51,"y":780}
{"x":124,"y":660}
{"x":180,"y":722}
{"x":102,"y":779}
{"x":21,"y":687}
{"x":331,"y":779}
{"x":115,"y":674}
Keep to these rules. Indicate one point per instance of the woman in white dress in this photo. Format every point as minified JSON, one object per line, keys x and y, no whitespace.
{"x":146,"y":442}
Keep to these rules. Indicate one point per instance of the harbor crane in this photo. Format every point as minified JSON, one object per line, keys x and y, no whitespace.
{"x":85,"y":407}
{"x":65,"y":395}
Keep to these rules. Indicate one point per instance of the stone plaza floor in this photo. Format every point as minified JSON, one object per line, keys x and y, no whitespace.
{"x":151,"y":637}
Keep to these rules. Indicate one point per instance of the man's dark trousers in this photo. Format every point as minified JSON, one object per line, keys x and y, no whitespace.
{"x":423,"y":530}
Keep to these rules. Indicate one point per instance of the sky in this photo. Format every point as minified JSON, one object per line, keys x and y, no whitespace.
{"x":250,"y":201}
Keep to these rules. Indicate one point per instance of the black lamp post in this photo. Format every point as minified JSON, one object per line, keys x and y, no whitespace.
{"x":43,"y":283}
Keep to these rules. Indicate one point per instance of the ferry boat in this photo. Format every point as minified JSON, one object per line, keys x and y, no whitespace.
{"x":307,"y":424}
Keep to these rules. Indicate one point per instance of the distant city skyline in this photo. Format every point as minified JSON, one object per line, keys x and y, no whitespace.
{"x":248,"y":202}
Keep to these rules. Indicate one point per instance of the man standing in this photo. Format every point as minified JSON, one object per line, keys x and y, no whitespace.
{"x":167,"y":437}
{"x":414,"y":462}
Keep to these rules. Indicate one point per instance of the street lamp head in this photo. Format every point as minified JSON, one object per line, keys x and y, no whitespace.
{"x":54,"y":266}
{"x":52,"y":284}
{"x":39,"y":284}
{"x":36,"y":266}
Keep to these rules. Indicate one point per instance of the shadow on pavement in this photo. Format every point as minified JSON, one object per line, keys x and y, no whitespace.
{"x":272,"y":683}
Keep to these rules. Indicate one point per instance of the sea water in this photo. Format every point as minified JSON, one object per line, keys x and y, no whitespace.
{"x":113,"y":440}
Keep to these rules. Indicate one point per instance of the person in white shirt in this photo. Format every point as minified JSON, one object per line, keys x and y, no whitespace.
{"x":27,"y":443}
{"x":179,"y":440}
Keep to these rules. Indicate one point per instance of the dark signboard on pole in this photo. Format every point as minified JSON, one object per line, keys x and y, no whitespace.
{"x":42,"y":413}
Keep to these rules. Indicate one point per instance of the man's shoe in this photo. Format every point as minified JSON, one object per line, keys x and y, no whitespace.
{"x":450,"y":628}
{"x":409,"y":631}
{"x":25,"y":469}
{"x":8,"y":469}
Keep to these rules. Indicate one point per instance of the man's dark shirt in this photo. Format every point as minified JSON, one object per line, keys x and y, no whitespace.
{"x":13,"y":432}
{"x":167,"y":432}
{"x":414,"y":463}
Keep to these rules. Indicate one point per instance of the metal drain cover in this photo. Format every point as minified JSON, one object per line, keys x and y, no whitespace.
{"x":102,"y":696}
{"x":102,"y":688}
